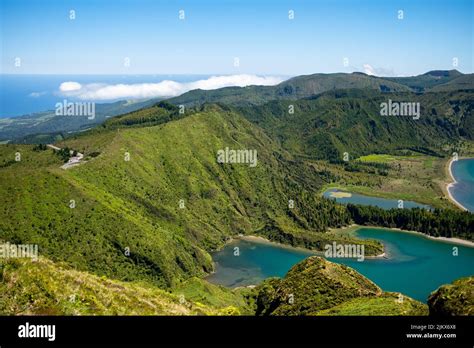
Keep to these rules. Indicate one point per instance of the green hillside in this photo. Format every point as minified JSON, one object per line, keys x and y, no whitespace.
{"x":127,"y":222}
{"x":44,"y":126}
{"x":427,"y":81}
{"x":464,"y":82}
{"x":326,"y":126}
{"x":150,"y":200}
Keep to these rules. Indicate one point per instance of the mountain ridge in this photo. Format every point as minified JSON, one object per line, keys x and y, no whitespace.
{"x":46,"y":127}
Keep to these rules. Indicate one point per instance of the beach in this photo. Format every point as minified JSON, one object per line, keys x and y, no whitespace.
{"x":451,"y":184}
{"x":457,"y":241}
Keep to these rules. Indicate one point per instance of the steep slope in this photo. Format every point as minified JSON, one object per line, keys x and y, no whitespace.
{"x":68,"y":222}
{"x":149,"y":203}
{"x":326,"y":126}
{"x":316,"y":286}
{"x":453,"y":299}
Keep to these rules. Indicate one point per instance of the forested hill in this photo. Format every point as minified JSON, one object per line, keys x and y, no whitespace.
{"x":429,"y":80}
{"x":327,"y":125}
{"x":292,"y":89}
{"x":310,"y":85}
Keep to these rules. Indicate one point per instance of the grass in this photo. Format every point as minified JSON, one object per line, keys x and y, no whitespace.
{"x":386,"y":304}
{"x":200,"y":291}
{"x":377,"y":158}
{"x":46,"y":288}
{"x":453,"y":299}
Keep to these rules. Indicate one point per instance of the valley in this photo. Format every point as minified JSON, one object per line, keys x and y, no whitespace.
{"x":151,"y":203}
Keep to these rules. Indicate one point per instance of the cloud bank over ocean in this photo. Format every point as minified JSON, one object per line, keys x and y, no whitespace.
{"x":166,"y":88}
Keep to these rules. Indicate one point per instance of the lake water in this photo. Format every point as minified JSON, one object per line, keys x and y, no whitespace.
{"x":463,"y":190}
{"x":384,"y":203}
{"x":416,"y":265}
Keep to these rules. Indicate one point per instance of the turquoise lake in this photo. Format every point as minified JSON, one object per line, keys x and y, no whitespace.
{"x":416,"y":265}
{"x":384,"y":203}
{"x":463,"y":190}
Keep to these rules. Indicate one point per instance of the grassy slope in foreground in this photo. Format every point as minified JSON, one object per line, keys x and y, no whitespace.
{"x":453,"y":299}
{"x":47,"y":288}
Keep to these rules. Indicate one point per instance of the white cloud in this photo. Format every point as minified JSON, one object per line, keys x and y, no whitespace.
{"x":167,"y":88}
{"x":368,"y":69}
{"x":69,"y":86}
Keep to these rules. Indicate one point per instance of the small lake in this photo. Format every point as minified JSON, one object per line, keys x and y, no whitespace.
{"x":463,"y":189}
{"x":345,"y":197}
{"x":416,"y":265}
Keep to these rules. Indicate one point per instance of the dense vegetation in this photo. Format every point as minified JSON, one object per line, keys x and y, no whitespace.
{"x":437,"y":223}
{"x":317,"y":287}
{"x":46,"y":288}
{"x":349,"y":121}
{"x":312,"y":287}
{"x":133,"y":206}
{"x":429,"y":80}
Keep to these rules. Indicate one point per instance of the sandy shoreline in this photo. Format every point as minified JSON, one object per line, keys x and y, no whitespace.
{"x":457,"y":241}
{"x":451,"y":184}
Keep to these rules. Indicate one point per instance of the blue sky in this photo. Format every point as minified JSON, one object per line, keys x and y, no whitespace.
{"x":213,"y":33}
